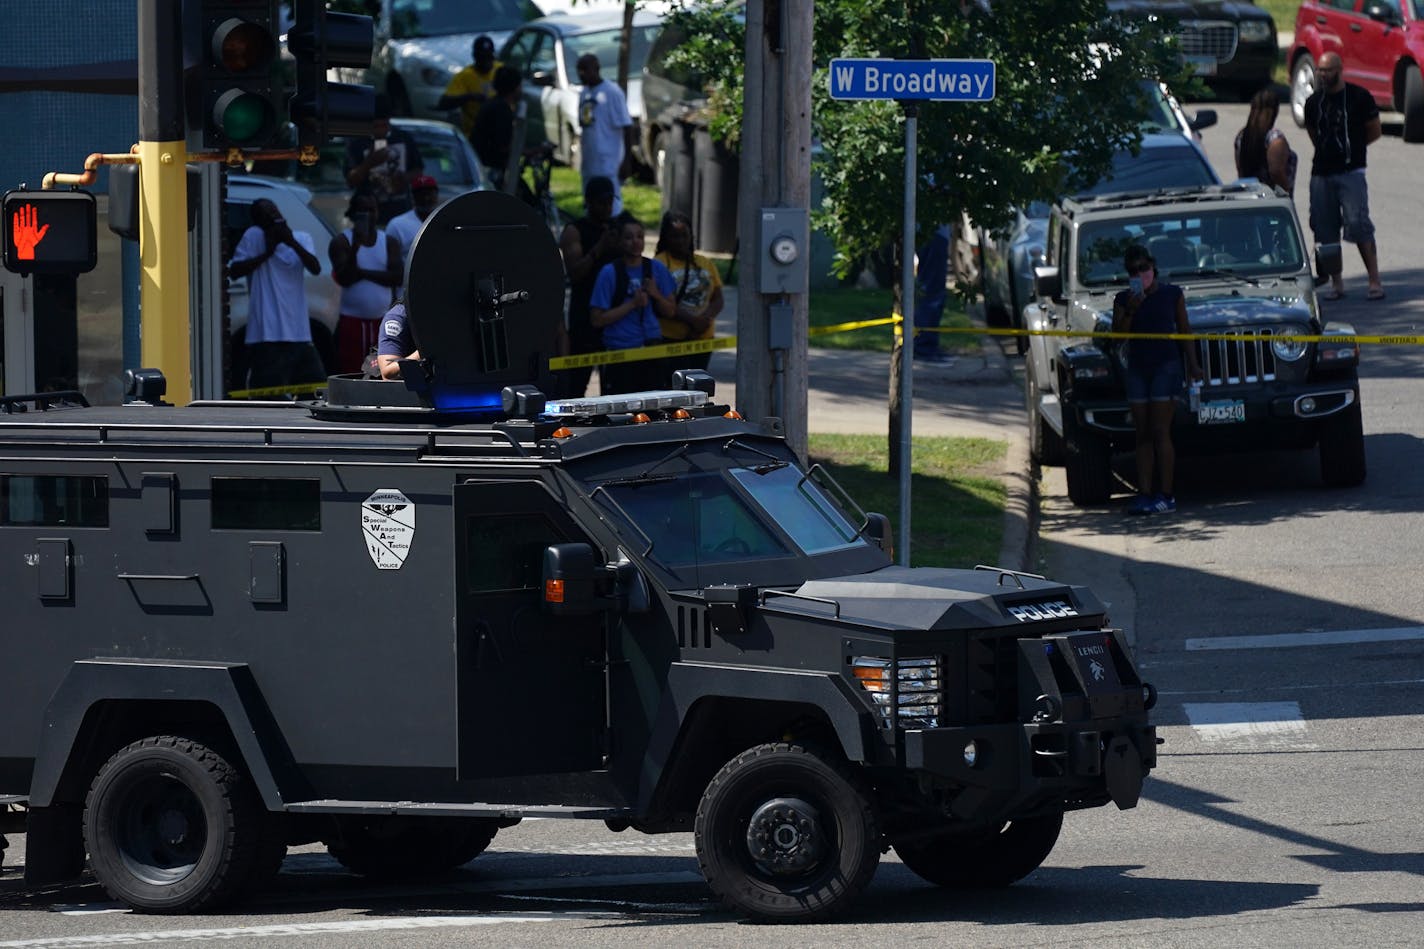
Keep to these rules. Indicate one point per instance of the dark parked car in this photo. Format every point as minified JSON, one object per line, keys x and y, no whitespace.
{"x":1169,"y":158}
{"x":1231,"y":45}
{"x":1382,"y":45}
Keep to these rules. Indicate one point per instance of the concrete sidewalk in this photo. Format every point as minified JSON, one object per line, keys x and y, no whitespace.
{"x":975,"y":396}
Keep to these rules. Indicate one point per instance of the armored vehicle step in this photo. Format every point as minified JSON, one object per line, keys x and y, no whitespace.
{"x":415,"y":809}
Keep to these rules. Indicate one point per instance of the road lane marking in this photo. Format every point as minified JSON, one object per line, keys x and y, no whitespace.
{"x":1254,"y":726}
{"x":278,"y":930}
{"x":1339,"y":637}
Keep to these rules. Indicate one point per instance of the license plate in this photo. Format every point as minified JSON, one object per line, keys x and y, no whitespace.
{"x":1202,"y":65}
{"x":1225,"y":412}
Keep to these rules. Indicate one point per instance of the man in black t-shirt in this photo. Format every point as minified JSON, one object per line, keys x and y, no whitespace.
{"x":493,"y":134}
{"x":1342,"y":119}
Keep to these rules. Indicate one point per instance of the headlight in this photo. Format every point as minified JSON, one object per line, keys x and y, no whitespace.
{"x":1255,"y":31}
{"x":916,"y":688}
{"x":1285,"y":347}
{"x":435,"y":77}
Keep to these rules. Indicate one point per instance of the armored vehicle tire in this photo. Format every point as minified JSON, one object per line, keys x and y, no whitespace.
{"x":1342,"y":448}
{"x":395,"y":848}
{"x":786,"y":835}
{"x":172,"y":827}
{"x":990,"y":859}
{"x":1087,"y":463}
{"x":1413,"y":105}
{"x":1045,"y":446}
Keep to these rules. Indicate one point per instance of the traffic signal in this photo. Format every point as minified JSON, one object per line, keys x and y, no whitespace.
{"x":49,"y":232}
{"x":319,"y":41}
{"x":239,"y":83}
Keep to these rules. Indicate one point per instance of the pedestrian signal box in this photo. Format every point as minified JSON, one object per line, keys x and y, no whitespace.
{"x":49,"y":232}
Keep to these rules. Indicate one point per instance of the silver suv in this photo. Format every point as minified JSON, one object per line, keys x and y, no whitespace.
{"x":1276,"y":376}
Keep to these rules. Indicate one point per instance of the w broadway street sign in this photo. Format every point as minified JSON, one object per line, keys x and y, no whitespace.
{"x":944,"y":80}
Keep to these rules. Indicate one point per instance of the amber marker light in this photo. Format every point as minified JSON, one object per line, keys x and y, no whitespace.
{"x":553,"y":591}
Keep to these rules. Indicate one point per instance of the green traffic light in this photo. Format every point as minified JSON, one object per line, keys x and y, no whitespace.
{"x":245,"y":118}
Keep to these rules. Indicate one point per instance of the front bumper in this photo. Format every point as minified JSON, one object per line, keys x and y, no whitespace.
{"x":1019,"y":767}
{"x":1277,"y":417}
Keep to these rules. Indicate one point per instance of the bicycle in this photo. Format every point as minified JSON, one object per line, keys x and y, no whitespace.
{"x":533,"y":186}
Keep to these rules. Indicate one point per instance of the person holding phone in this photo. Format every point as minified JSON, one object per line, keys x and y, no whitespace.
{"x":1156,"y":371}
{"x":367,"y":263}
{"x":629,"y":295}
{"x":384,"y":164}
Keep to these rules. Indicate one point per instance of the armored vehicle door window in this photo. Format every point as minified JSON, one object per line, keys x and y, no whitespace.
{"x":267,"y":504}
{"x":800,"y":507}
{"x":54,"y":501}
{"x":506,"y":552}
{"x":697,"y":519}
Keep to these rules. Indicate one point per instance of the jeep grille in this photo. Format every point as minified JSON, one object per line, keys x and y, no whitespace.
{"x":1246,"y":358}
{"x":1207,"y":39}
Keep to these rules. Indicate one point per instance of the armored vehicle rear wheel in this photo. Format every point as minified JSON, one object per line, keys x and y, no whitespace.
{"x":172,"y":827}
{"x":1342,"y":448}
{"x":787,"y":835}
{"x":990,"y":859}
{"x":1045,"y":445}
{"x":1087,"y":463}
{"x":402,"y":847}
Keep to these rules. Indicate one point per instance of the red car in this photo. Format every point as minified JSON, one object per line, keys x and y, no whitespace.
{"x":1382,"y":45}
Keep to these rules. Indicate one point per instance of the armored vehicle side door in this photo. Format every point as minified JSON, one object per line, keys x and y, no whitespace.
{"x":531,"y":686}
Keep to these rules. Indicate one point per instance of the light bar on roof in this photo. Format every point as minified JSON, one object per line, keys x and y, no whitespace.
{"x":628,"y":402}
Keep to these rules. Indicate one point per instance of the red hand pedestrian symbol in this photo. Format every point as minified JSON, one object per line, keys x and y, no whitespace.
{"x":26,"y":233}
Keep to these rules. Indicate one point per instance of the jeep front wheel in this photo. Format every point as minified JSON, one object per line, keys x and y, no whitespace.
{"x":786,"y":835}
{"x":172,"y":827}
{"x":1045,"y":446}
{"x":1342,"y":448}
{"x":988,"y":859}
{"x":1087,"y":463}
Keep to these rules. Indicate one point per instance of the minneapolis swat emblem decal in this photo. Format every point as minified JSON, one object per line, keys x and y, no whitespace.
{"x":388,"y":521}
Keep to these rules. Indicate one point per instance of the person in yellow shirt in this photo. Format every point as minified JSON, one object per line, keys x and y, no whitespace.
{"x":472,"y":86}
{"x":698,"y":297}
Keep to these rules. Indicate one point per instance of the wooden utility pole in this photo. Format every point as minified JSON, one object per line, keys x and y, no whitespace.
{"x":775,"y":172}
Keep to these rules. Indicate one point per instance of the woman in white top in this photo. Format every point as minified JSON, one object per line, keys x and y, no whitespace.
{"x":366,"y":262}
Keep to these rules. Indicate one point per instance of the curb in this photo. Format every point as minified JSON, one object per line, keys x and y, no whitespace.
{"x":1020,"y":508}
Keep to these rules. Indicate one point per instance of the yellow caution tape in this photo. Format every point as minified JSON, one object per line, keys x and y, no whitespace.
{"x":302,"y":388}
{"x":660,"y":351}
{"x":857,"y":325}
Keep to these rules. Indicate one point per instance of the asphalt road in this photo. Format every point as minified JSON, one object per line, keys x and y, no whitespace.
{"x":1285,"y":808}
{"x":1284,"y":626}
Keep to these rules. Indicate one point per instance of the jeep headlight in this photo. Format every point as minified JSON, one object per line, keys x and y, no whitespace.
{"x":1255,"y":31}
{"x":912,"y":687}
{"x":1285,"y":347}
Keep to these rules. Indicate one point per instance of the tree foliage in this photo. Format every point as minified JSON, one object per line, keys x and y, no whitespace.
{"x":1067,"y":97}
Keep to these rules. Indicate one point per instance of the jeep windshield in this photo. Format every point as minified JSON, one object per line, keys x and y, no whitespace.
{"x":1198,"y":240}
{"x":759,"y":512}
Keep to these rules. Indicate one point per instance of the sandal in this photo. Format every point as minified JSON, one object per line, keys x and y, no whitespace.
{"x":1333,"y":294}
{"x":1376,"y":293}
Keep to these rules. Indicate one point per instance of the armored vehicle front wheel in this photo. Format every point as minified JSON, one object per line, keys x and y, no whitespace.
{"x":1342,"y":448}
{"x":172,"y":827}
{"x":402,"y":847}
{"x":988,"y":859}
{"x":787,"y":835}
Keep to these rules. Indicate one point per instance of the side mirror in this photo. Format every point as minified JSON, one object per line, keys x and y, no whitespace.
{"x":1204,"y":119}
{"x":1329,"y":261}
{"x":541,"y":77}
{"x":571,"y":575}
{"x":1048,"y":282}
{"x":877,"y":528}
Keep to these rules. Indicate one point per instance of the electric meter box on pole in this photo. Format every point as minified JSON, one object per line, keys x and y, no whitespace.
{"x":49,"y":232}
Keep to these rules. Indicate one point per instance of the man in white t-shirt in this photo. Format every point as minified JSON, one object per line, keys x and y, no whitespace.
{"x":425,"y":193}
{"x":275,"y":260}
{"x":605,"y":129}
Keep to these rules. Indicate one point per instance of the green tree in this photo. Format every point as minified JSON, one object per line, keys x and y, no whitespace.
{"x":1067,"y":84}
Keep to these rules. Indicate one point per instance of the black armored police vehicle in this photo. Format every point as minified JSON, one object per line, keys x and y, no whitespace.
{"x":404,"y":616}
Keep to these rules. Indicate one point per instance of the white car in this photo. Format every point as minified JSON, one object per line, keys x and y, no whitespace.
{"x":422,"y":44}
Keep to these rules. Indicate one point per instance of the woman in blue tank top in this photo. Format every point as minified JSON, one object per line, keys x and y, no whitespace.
{"x":1154,"y":374}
